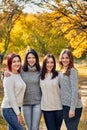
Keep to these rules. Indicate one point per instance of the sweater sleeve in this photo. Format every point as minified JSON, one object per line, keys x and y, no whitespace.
{"x":10,"y":91}
{"x":59,"y":80}
{"x":74,"y":88}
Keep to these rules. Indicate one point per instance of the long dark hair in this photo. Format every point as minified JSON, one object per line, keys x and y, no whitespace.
{"x":71,"y":64}
{"x":25,"y":64}
{"x":10,"y":59}
{"x":44,"y":70}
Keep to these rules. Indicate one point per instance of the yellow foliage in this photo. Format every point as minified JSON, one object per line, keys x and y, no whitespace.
{"x":79,"y":40}
{"x":84,"y":45}
{"x":78,"y":52}
{"x":30,"y":18}
{"x":1,"y":46}
{"x":80,"y":49}
{"x":70,"y":35}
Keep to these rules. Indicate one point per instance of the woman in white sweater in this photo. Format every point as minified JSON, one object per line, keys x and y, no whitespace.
{"x":14,"y":88}
{"x":50,"y":101}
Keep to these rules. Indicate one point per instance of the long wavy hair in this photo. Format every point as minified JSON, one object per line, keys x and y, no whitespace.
{"x":44,"y":70}
{"x":71,"y":60}
{"x":25,"y":64}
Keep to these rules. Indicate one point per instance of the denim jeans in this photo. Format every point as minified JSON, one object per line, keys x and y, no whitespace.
{"x":32,"y":116}
{"x":11,"y":118}
{"x":53,"y":119}
{"x":71,"y":123}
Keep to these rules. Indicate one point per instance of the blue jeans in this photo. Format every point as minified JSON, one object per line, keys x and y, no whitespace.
{"x":32,"y":116}
{"x":53,"y":119}
{"x":11,"y":118}
{"x":71,"y":123}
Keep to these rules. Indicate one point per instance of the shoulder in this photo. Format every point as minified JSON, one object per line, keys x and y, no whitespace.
{"x":60,"y":73}
{"x":8,"y":81}
{"x":73,"y":70}
{"x":74,"y":73}
{"x":10,"y":77}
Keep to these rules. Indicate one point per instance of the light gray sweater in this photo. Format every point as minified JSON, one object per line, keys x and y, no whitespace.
{"x":69,"y":89}
{"x":33,"y":92}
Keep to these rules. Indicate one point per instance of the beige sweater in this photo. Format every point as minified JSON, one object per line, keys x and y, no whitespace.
{"x":14,"y":88}
{"x":50,"y":94}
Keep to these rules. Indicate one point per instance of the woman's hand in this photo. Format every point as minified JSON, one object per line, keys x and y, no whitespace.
{"x":19,"y":118}
{"x":79,"y":94}
{"x":71,"y":113}
{"x":7,"y":74}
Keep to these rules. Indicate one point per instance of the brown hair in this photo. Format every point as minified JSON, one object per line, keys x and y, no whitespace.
{"x":70,"y":55}
{"x":44,"y":70}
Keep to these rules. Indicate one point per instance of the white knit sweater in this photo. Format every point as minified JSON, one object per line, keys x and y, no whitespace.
{"x":50,"y":94}
{"x":14,"y":88}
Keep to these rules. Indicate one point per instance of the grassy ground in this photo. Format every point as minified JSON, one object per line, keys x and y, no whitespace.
{"x":82,"y":71}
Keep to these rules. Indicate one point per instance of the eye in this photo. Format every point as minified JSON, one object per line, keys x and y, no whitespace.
{"x":65,"y":57}
{"x":62,"y":58}
{"x":47,"y":62}
{"x":29,"y":58}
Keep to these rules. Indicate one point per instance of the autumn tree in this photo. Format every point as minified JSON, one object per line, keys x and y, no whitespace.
{"x":43,"y":34}
{"x":52,"y":40}
{"x":10,"y":11}
{"x":71,"y":16}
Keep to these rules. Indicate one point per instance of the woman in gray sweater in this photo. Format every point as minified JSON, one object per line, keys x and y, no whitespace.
{"x":32,"y":97}
{"x":68,"y":80}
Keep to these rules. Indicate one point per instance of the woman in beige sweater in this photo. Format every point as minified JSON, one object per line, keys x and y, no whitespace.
{"x":14,"y":88}
{"x":50,"y":101}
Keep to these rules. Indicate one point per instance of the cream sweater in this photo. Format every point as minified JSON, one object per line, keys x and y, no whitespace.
{"x":14,"y":88}
{"x":50,"y":100}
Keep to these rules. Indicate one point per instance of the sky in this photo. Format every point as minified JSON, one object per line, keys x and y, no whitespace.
{"x":32,"y":8}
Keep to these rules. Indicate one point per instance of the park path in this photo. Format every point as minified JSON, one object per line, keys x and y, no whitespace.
{"x":83,"y":89}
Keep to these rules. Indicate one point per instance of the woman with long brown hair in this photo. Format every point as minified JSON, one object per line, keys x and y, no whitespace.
{"x":50,"y":101}
{"x":68,"y":81}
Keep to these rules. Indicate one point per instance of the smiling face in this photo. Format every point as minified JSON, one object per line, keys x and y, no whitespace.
{"x":65,"y":60}
{"x":49,"y":64}
{"x":31,"y":59}
{"x":16,"y":64}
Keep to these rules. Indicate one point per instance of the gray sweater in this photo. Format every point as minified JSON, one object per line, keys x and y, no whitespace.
{"x":69,"y":89}
{"x":32,"y":93}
